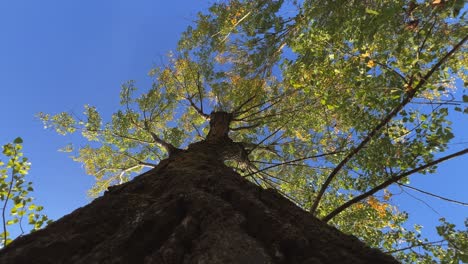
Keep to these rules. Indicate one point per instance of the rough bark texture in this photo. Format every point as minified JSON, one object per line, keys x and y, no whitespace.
{"x":190,"y":209}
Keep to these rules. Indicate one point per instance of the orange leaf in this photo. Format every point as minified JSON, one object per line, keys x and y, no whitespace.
{"x":370,"y":64}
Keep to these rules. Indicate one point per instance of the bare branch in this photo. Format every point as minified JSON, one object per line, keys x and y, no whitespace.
{"x":389,"y":182}
{"x":200,"y":95}
{"x":433,"y":195}
{"x":413,"y":246}
{"x":292,"y":164}
{"x":272,"y":185}
{"x":266,"y":138}
{"x":250,"y":146}
{"x":140,"y":162}
{"x":197,"y":130}
{"x":392,"y":70}
{"x":190,"y":97}
{"x":199,"y":111}
{"x":409,"y":96}
{"x":233,"y":27}
{"x":121,"y":174}
{"x":167,"y":146}
{"x":273,"y":100}
{"x":245,"y":127}
{"x":429,"y":33}
{"x":102,"y":132}
{"x":292,"y":161}
{"x":420,"y":200}
{"x":235,"y":112}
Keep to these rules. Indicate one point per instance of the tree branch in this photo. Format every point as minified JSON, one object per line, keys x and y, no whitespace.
{"x":413,"y":246}
{"x":392,"y":70}
{"x":272,"y":185}
{"x":409,"y":96}
{"x":167,"y":146}
{"x":190,"y":97}
{"x":266,"y":138}
{"x":420,"y":200}
{"x":127,"y":137}
{"x":389,"y":182}
{"x":273,"y":100}
{"x":199,"y":111}
{"x":121,"y":174}
{"x":140,"y":162}
{"x":236,"y":111}
{"x":245,"y":127}
{"x":433,"y":195}
{"x":200,"y":95}
{"x":292,"y":161}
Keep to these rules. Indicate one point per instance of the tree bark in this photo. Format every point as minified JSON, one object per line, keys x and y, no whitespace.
{"x":191,"y":208}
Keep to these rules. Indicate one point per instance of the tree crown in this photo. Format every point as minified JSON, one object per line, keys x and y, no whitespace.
{"x":327,"y":102}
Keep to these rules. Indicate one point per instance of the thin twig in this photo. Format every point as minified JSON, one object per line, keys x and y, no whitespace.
{"x":433,"y":195}
{"x":295,"y":160}
{"x":266,"y":138}
{"x":245,"y":127}
{"x":237,"y":109}
{"x":5,"y":205}
{"x":420,"y":200}
{"x":413,"y":246}
{"x":140,"y":162}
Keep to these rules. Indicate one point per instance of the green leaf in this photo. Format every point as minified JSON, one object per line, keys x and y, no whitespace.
{"x":18,"y":140}
{"x":372,"y":12}
{"x":12,"y":222}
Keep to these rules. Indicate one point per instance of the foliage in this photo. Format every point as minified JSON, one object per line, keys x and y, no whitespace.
{"x":334,"y":101}
{"x":14,"y":188}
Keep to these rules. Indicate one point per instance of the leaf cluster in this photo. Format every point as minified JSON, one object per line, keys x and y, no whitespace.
{"x":15,"y":193}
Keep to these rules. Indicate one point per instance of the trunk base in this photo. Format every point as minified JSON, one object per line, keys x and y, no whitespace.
{"x":189,"y":210}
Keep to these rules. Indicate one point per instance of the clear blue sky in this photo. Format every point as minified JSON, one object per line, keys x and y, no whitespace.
{"x":59,"y":55}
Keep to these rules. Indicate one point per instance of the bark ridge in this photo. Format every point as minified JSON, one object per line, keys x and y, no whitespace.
{"x":190,"y":209}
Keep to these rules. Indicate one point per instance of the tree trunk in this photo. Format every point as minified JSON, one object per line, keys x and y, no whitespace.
{"x":191,"y":209}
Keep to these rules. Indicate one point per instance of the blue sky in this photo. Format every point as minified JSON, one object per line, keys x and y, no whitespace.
{"x":60,"y":55}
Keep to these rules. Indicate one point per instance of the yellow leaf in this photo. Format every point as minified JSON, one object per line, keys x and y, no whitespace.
{"x":299,"y":136}
{"x":359,"y":205}
{"x":370,"y":63}
{"x":381,"y":208}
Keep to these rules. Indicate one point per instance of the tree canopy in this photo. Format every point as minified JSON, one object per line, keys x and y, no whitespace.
{"x":332,"y":101}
